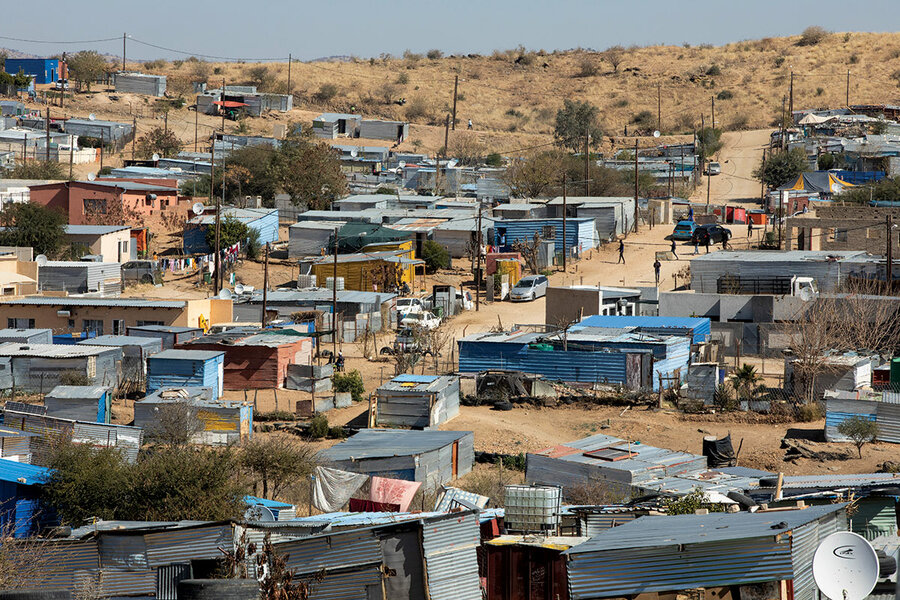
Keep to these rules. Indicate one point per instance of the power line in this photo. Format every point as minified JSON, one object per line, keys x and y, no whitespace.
{"x":227,"y":58}
{"x":115,"y":39}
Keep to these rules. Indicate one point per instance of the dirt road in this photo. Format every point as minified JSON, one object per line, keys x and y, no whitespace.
{"x":740,"y":154}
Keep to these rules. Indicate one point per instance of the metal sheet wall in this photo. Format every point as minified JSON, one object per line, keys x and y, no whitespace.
{"x":803,"y":545}
{"x":594,"y":523}
{"x":629,"y":572}
{"x":451,"y":560}
{"x":888,"y":418}
{"x":343,"y":550}
{"x":361,"y":584}
{"x":184,"y":545}
{"x":875,"y":516}
{"x":579,"y":232}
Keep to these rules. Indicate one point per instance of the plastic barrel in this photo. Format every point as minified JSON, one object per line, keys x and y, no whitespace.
{"x":218,"y":589}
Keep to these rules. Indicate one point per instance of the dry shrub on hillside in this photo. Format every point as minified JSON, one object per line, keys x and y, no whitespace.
{"x":812,"y":36}
{"x":200,"y":71}
{"x":419,"y":109}
{"x":586,"y":67}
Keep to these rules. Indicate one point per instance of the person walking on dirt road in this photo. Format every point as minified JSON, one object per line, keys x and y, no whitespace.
{"x":656,"y":267}
{"x":673,"y":250}
{"x":706,"y":243}
{"x":749,"y":229}
{"x":621,"y":252}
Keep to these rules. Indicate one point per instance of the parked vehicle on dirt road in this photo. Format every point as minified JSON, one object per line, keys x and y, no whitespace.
{"x":410,"y":305}
{"x":715,"y":233}
{"x":528,"y":288}
{"x":684,"y":230}
{"x":141,"y":271}
{"x":407,"y":342}
{"x":425,"y":320}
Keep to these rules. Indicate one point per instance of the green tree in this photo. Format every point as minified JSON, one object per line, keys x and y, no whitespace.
{"x":158,"y":141}
{"x":27,"y":224}
{"x":87,"y":482}
{"x":276,"y":462}
{"x":87,"y":66}
{"x":536,"y":176}
{"x":231,"y":231}
{"x":859,"y":429}
{"x":691,"y":502}
{"x":746,"y":382}
{"x":709,"y":141}
{"x":493,"y":160}
{"x":575,"y":120}
{"x":826,"y":161}
{"x":37,"y":169}
{"x":258,"y":180}
{"x":885,"y":190}
{"x":435,"y":256}
{"x":781,"y":167}
{"x":351,"y":382}
{"x":308,"y":171}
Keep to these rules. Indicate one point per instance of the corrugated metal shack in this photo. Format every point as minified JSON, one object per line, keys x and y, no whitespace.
{"x":416,"y":401}
{"x":223,"y":422}
{"x":848,"y":372}
{"x":581,"y":234}
{"x":80,"y":403}
{"x":350,"y":304}
{"x":697,"y":329}
{"x":830,"y":269}
{"x":517,"y":564}
{"x":135,"y":351}
{"x":186,"y":368}
{"x":20,"y":497}
{"x":170,"y":335}
{"x":591,"y":355}
{"x":629,"y":468}
{"x":650,"y":554}
{"x":432,"y":457}
{"x":108,"y":130}
{"x":458,"y":235}
{"x":81,"y":277}
{"x":255,"y":359}
{"x":332,"y":125}
{"x":27,"y":336}
{"x":48,"y":429}
{"x":38,"y":368}
{"x":140,"y":83}
{"x":613,"y":216}
{"x":394,"y":131}
{"x":15,"y":444}
{"x":263,"y":220}
{"x":881,"y":407}
{"x":311,"y":237}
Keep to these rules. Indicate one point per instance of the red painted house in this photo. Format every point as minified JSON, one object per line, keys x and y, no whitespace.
{"x":98,"y":202}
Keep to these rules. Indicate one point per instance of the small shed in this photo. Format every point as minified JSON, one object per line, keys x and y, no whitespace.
{"x":256,"y":359}
{"x":15,"y":444}
{"x":20,"y":497}
{"x":332,"y":125}
{"x":186,"y":368}
{"x":222,"y":422}
{"x":415,"y":401}
{"x":311,"y":238}
{"x":41,"y":367}
{"x":105,"y":130}
{"x":373,"y":129}
{"x":170,"y":335}
{"x":135,"y":351}
{"x":79,"y":402}
{"x":140,"y":83}
{"x":80,"y":277}
{"x":580,"y":234}
{"x":697,"y":329}
{"x":27,"y":336}
{"x":432,"y":457}
{"x":262,"y":220}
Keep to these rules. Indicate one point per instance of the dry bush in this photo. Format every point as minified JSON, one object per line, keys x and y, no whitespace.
{"x":419,"y":109}
{"x":155,"y":65}
{"x":587,"y":68}
{"x":200,"y":71}
{"x":466,"y":146}
{"x":813,"y":35}
{"x":488,"y":480}
{"x":593,"y":491}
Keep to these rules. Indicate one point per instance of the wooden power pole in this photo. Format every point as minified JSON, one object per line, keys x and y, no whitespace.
{"x":47,"y":127}
{"x":636,"y":207}
{"x":334,"y":276}
{"x":478,"y":261}
{"x":265,"y":296}
{"x":889,"y":273}
{"x":564,"y":249}
{"x":455,"y":88}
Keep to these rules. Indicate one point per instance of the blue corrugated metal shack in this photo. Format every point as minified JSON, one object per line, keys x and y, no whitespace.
{"x":613,"y":356}
{"x":579,"y":232}
{"x":20,"y":497}
{"x":673,"y":553}
{"x":79,"y":402}
{"x":263,"y":220}
{"x":186,"y":368}
{"x":697,"y":328}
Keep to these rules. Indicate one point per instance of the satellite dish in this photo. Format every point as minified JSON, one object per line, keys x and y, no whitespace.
{"x":401,"y":165}
{"x":92,"y":176}
{"x":225,"y":294}
{"x":354,"y":153}
{"x":41,"y":260}
{"x":845,"y":566}
{"x":92,"y":117}
{"x":656,"y":133}
{"x":806,"y":294}
{"x":239,"y":288}
{"x":198,"y":208}
{"x":259,"y":513}
{"x":155,"y":157}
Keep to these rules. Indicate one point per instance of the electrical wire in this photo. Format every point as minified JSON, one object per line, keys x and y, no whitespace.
{"x":197,"y":54}
{"x":13,"y":39}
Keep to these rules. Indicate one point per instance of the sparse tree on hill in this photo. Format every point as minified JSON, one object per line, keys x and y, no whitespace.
{"x":859,"y":429}
{"x":86,"y":67}
{"x":308,"y":171}
{"x":158,"y":141}
{"x":614,"y":55}
{"x":277,"y":462}
{"x":536,"y":176}
{"x":812,"y":36}
{"x":575,"y":120}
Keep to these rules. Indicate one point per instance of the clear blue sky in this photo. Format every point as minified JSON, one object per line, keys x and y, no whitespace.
{"x":308,"y":30}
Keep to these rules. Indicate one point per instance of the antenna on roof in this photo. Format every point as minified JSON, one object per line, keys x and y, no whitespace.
{"x":91,"y":176}
{"x":845,"y":566}
{"x":197,"y":208}
{"x":41,"y":260}
{"x":92,"y":117}
{"x":155,"y":157}
{"x":259,"y":513}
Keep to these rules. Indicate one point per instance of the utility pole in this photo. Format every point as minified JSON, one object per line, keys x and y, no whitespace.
{"x":47,"y":128}
{"x":564,"y":249}
{"x":64,"y":75}
{"x":791,"y":112}
{"x":334,"y":326}
{"x":166,"y":121}
{"x":71,"y":159}
{"x":102,"y":143}
{"x":212,"y":179}
{"x":478,"y":262}
{"x":222,"y":108}
{"x":783,"y":131}
{"x":455,"y":88}
{"x":196,"y":127}
{"x":658,"y":108}
{"x":888,"y":222}
{"x":265,"y":287}
{"x":762,"y":186}
{"x":848,"y":88}
{"x":446,"y":134}
{"x":123,"y":52}
{"x":290,"y":60}
{"x":708,"y":178}
{"x":636,"y":208}
{"x":713,"y":99}
{"x":134,"y":136}
{"x":587,"y":162}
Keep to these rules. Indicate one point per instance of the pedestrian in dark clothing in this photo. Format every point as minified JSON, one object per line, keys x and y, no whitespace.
{"x":724,"y":242}
{"x":656,"y":266}
{"x":673,"y":249}
{"x":696,"y":244}
{"x":706,"y":243}
{"x":621,"y":252}
{"x":749,"y":229}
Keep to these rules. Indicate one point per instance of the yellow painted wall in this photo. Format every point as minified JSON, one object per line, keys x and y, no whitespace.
{"x":357,"y":275}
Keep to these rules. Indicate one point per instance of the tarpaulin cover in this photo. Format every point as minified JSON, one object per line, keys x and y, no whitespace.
{"x":334,"y":487}
{"x":229,"y":103}
{"x":393,"y":491}
{"x":719,"y":453}
{"x":353,"y":237}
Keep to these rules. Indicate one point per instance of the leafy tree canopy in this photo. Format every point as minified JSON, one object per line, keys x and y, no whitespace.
{"x":26,"y":224}
{"x":781,"y":167}
{"x":575,"y":120}
{"x":158,"y":141}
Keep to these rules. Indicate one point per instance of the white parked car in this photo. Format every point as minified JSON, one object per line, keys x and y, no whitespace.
{"x":529,"y":288}
{"x":410,"y":305}
{"x":425,"y":320}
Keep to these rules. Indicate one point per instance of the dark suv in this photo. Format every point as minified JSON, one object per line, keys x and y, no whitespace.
{"x":141,"y":271}
{"x":712,"y":232}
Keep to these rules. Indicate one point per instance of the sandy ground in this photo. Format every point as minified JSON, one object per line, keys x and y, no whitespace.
{"x":740,"y":154}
